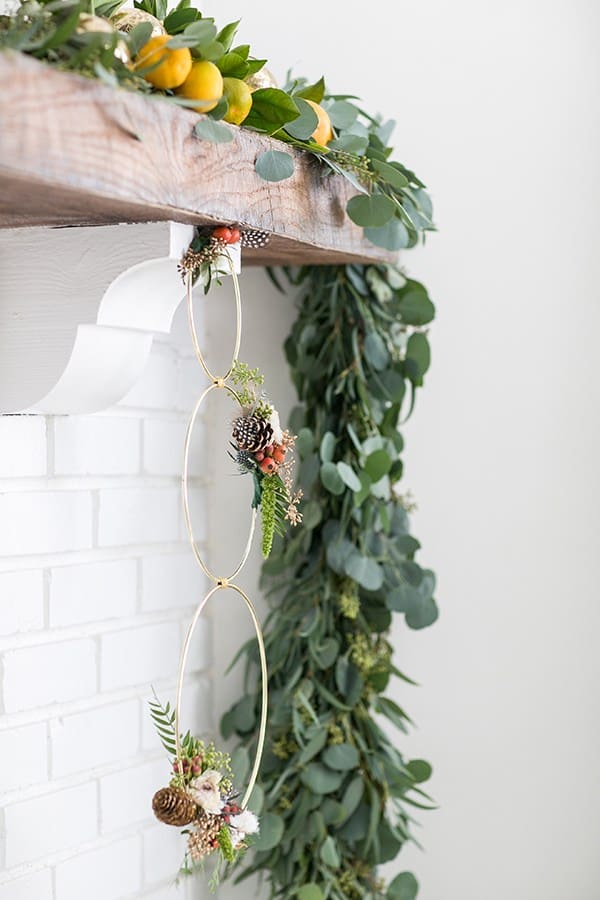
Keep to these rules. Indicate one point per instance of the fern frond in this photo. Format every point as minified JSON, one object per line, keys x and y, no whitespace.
{"x":163,"y":718}
{"x":273,"y":508}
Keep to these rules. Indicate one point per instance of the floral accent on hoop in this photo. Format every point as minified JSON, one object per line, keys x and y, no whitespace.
{"x":201,"y":259}
{"x":200,"y":796}
{"x":264,"y":450}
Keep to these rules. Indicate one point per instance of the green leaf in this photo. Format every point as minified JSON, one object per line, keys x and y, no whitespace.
{"x":314,"y":746}
{"x":313,"y":92}
{"x":329,"y":853}
{"x":327,"y":448}
{"x":418,"y":357}
{"x":272,"y":107}
{"x":414,"y":305}
{"x":349,"y":476}
{"x":391,"y":236}
{"x":214,"y":132}
{"x":422,"y":615}
{"x":349,"y":143}
{"x":342,"y":114}
{"x":176,"y":21}
{"x":304,"y":442}
{"x":320,"y":779}
{"x":138,"y":37}
{"x":303,"y":127}
{"x":327,"y":652}
{"x":311,"y":515}
{"x":271,"y":832}
{"x":371,"y":210}
{"x":420,"y":770}
{"x":341,"y":757}
{"x":367,"y":572}
{"x":404,"y":887}
{"x":391,"y":175}
{"x":331,"y":478}
{"x":352,"y":796}
{"x":232,"y":66}
{"x":310,"y":892}
{"x":375,"y":351}
{"x":240,"y":764}
{"x":274,"y":165}
{"x":227,"y":34}
{"x":348,"y":680}
{"x":377,"y":464}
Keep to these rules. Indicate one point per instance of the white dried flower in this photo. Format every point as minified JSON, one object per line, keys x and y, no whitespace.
{"x":276,"y":426}
{"x":205,"y":791}
{"x":241,"y":825}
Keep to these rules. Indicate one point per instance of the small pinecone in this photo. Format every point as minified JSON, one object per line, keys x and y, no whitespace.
{"x":252,"y":433}
{"x":204,"y":838}
{"x":173,"y":807}
{"x":254,"y":238}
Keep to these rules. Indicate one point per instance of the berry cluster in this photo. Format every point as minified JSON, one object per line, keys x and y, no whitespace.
{"x":229,"y":234}
{"x":190,"y":767}
{"x":271,"y":458}
{"x":229,"y":810}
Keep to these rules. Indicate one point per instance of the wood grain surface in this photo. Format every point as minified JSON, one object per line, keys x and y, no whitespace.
{"x":76,"y":152}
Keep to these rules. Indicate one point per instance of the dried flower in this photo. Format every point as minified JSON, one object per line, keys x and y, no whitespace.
{"x":205,"y":791}
{"x":242,"y":825}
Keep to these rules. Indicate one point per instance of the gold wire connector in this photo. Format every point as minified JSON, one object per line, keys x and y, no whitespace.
{"x":222,"y":582}
{"x":219,"y":382}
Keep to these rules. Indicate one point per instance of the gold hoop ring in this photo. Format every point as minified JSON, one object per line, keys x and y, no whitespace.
{"x":224,"y":585}
{"x":238,"y":323}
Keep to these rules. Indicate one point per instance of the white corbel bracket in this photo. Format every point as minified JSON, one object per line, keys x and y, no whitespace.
{"x":79,"y":308}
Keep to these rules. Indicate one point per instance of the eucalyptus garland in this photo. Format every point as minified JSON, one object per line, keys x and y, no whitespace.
{"x":338,"y":792}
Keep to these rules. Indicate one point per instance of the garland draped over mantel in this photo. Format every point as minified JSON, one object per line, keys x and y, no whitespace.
{"x":338,"y":793}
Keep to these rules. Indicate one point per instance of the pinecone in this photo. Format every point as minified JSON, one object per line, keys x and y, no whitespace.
{"x":253,"y":238}
{"x":173,"y":807}
{"x":205,"y":836}
{"x":252,"y":433}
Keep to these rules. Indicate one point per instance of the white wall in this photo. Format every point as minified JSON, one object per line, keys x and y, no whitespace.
{"x":498,"y":112}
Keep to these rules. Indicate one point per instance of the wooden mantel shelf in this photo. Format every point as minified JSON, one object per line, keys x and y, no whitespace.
{"x":74,"y":151}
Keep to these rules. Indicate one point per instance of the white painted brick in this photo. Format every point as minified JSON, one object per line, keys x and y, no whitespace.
{"x":49,"y":673}
{"x":22,"y":446}
{"x":198,"y":501}
{"x":192,"y":381}
{"x":139,"y":655}
{"x":96,"y":445}
{"x":171,"y":581}
{"x":163,"y":448}
{"x":108,"y":873}
{"x":157,"y":386}
{"x":86,"y":740}
{"x":126,"y":796}
{"x":138,"y":516}
{"x":21,"y":601}
{"x":167,"y":892}
{"x":163,"y":853}
{"x":197,"y":711}
{"x":92,"y":592}
{"x":45,"y":522}
{"x":36,"y":828}
{"x":23,"y":757}
{"x":37,"y":886}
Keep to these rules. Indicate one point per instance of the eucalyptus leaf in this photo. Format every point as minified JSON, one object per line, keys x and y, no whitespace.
{"x":271,"y":831}
{"x":274,"y":165}
{"x":341,"y":757}
{"x":310,"y":892}
{"x":349,"y":476}
{"x":319,"y":779}
{"x":214,"y":132}
{"x":404,"y":887}
{"x":303,"y":127}
{"x":371,"y":210}
{"x":391,"y":236}
{"x":331,"y":478}
{"x":329,"y":853}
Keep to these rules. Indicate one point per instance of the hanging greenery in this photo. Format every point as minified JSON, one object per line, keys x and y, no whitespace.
{"x":338,"y":793}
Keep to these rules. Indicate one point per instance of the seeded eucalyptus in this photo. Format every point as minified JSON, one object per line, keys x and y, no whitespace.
{"x":338,"y":792}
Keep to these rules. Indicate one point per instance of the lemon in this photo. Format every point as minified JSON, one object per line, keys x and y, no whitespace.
{"x":205,"y":84}
{"x":239,"y":97}
{"x":170,"y":67}
{"x":323,"y":133}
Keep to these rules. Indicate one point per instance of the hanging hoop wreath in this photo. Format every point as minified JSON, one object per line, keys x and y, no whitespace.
{"x":201,"y":796}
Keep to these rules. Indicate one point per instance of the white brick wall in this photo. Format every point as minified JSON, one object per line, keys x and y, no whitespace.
{"x":97,"y":586}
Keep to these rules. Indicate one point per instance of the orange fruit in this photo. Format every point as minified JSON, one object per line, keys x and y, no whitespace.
{"x":239,"y":97}
{"x":323,"y":133}
{"x":205,"y":84}
{"x":171,"y":67}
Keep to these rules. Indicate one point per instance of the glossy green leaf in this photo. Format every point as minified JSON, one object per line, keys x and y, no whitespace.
{"x":271,"y":106}
{"x":303,"y":127}
{"x":377,"y":464}
{"x":420,"y":770}
{"x":313,"y":92}
{"x":414,"y":305}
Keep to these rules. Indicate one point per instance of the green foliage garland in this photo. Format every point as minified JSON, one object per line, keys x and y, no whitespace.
{"x":338,"y":793}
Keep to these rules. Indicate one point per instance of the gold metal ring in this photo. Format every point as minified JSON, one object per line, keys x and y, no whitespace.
{"x":238,"y":324}
{"x":264,"y":676}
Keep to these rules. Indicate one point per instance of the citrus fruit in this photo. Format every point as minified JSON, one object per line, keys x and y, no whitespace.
{"x":170,"y":67}
{"x":205,"y":84}
{"x":323,"y":132}
{"x":239,"y":97}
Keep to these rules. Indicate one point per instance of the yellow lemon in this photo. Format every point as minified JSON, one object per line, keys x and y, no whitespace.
{"x":205,"y":84}
{"x":239,"y":97}
{"x":323,"y":133}
{"x":171,"y":67}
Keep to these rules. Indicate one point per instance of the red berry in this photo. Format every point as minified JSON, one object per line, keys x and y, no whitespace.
{"x":223,"y":233}
{"x":268,"y":465}
{"x":278,"y":454}
{"x":235,"y":236}
{"x":259,"y":456}
{"x":269,"y":450}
